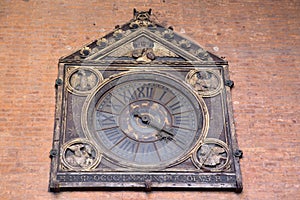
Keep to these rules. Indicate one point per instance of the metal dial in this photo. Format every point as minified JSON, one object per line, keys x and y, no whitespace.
{"x":145,"y":120}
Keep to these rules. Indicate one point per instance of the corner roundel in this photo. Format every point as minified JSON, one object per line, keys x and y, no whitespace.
{"x":212,"y":155}
{"x":81,"y":81}
{"x":206,"y":83}
{"x":80,"y":155}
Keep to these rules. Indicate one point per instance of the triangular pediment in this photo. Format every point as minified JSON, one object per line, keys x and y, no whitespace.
{"x":142,"y":41}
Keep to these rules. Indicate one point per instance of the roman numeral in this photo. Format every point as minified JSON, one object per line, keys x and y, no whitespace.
{"x":128,"y":95}
{"x":108,"y":120}
{"x":146,"y":148}
{"x":128,"y":145}
{"x":183,"y":136}
{"x":167,"y":151}
{"x":162,"y":96}
{"x":113,"y":135}
{"x":105,"y":119}
{"x":110,"y":105}
{"x":143,"y":92}
{"x":182,"y":120}
{"x":175,"y":106}
{"x":113,"y":104}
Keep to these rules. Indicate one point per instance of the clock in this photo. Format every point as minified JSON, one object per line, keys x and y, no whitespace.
{"x":145,"y":120}
{"x":144,"y":107}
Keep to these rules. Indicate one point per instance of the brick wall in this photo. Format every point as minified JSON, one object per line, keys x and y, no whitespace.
{"x":260,"y":39}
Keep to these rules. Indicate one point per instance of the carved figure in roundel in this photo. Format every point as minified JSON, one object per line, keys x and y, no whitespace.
{"x":83,"y":80}
{"x":206,"y":83}
{"x":80,"y":155}
{"x":212,"y":155}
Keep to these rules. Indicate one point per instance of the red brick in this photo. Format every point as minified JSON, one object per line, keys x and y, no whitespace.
{"x":260,"y":39}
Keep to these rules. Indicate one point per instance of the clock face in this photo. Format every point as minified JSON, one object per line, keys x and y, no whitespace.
{"x":145,"y":120}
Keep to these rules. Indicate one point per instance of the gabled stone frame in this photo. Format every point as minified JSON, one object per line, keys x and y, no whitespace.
{"x":143,"y":44}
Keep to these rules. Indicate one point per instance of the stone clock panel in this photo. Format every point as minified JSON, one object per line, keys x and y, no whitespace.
{"x":143,"y":107}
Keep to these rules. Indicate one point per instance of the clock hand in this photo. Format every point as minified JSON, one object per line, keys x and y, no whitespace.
{"x":146,"y":120}
{"x":167,"y":132}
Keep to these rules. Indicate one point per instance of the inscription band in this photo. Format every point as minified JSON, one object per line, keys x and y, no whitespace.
{"x":155,"y":178}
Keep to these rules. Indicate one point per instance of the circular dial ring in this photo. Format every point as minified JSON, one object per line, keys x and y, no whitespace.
{"x":145,"y":120}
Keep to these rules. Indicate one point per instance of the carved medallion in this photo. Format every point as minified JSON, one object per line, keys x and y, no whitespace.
{"x":206,"y":82}
{"x":80,"y":155}
{"x":82,"y":80}
{"x":213,"y":155}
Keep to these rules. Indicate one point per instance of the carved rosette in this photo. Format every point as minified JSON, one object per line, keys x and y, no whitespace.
{"x":80,"y":155}
{"x":203,"y":55}
{"x":206,"y":83}
{"x":85,"y":51}
{"x":212,"y":155}
{"x":81,"y":81}
{"x":185,"y":44}
{"x":102,"y":42}
{"x":168,"y":34}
